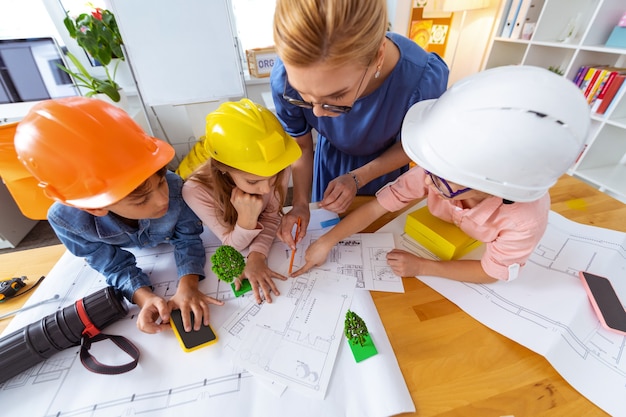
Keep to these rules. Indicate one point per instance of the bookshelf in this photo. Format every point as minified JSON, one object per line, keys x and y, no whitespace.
{"x":603,"y":163}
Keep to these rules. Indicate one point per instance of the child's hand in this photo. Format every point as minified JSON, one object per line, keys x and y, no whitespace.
{"x":248,"y":206}
{"x":153,"y":308}
{"x":260,"y":275}
{"x":315,"y":255}
{"x":404,"y":264}
{"x":287,"y":225}
{"x":189,"y":298}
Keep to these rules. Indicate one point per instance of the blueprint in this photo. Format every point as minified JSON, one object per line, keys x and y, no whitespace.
{"x":546,"y":308}
{"x":169,"y":382}
{"x":362,"y":255}
{"x":294,"y":340}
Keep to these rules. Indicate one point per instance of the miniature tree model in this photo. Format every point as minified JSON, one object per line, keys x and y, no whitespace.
{"x":228,"y":264}
{"x":355,"y":328}
{"x":358,"y":336}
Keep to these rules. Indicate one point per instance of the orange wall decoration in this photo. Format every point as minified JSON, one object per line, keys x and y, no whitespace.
{"x":430,"y":33}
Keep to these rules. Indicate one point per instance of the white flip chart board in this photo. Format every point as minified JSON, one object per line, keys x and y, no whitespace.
{"x":180,"y":52}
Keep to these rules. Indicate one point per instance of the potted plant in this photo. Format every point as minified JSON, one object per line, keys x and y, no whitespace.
{"x":228,"y":264}
{"x":97,"y":33}
{"x":92,"y":84}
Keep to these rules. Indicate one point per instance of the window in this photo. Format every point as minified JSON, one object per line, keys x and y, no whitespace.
{"x":254,"y":20}
{"x":25,"y":19}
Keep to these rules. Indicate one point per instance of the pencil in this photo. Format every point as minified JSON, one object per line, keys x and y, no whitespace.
{"x":293,"y":253}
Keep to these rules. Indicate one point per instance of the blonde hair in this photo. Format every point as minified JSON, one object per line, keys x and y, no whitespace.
{"x":216,"y":176}
{"x":334,"y":32}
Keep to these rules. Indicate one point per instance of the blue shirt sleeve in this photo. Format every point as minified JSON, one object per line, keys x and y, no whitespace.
{"x":189,"y":250}
{"x":118,"y":266}
{"x":101,"y":240}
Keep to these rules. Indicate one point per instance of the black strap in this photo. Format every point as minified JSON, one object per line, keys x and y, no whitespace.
{"x":92,"y":363}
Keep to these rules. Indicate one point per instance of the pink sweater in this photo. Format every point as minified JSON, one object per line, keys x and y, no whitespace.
{"x":510,"y":232}
{"x":200,"y":199}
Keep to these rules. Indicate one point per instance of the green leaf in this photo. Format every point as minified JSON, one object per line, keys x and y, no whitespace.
{"x":110,"y":91}
{"x":69,"y":25}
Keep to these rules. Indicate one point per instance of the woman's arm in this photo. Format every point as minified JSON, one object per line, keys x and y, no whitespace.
{"x":302,"y":175}
{"x":341,"y":191}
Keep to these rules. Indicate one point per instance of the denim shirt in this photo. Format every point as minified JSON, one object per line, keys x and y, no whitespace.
{"x":100,"y":239}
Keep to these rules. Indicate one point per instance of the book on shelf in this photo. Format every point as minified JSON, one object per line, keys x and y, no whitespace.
{"x":511,"y":16}
{"x":598,"y":84}
{"x":601,"y":92}
{"x":531,"y":19}
{"x":614,"y":90}
{"x":520,"y":19}
{"x":587,"y":80}
{"x":582,"y":71}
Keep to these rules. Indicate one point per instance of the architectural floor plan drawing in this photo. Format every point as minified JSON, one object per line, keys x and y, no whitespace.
{"x":169,"y":382}
{"x":295,"y":339}
{"x":362,"y":255}
{"x":547,"y":309}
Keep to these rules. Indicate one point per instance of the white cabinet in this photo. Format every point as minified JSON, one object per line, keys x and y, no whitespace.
{"x":603,"y":163}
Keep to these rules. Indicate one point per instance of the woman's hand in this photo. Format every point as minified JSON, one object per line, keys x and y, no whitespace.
{"x":260,"y":277}
{"x":339,"y":194}
{"x":248,"y":206}
{"x":286,"y":230}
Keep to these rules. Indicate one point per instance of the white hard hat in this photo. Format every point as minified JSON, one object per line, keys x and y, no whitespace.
{"x":509,"y":131}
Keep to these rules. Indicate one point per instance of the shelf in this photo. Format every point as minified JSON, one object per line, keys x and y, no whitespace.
{"x":603,"y":163}
{"x":609,"y":178}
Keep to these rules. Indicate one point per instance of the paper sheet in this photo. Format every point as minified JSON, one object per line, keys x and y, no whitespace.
{"x":362,"y":255}
{"x":294,"y":340}
{"x":169,"y":382}
{"x":546,"y":308}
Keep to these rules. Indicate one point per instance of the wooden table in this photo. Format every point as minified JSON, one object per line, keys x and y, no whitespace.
{"x":453,"y":365}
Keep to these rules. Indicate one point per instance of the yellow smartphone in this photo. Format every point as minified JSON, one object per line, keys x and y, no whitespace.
{"x":192,"y":340}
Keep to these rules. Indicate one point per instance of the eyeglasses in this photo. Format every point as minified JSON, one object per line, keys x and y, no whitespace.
{"x":443,"y":187}
{"x":328,"y":107}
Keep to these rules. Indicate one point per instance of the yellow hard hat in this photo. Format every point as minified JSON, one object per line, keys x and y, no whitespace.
{"x":248,"y":137}
{"x":87,"y":153}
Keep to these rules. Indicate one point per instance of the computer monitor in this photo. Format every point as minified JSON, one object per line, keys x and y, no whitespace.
{"x":29,"y":71}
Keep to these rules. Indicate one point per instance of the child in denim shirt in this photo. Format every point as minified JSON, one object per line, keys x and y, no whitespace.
{"x":112,"y":191}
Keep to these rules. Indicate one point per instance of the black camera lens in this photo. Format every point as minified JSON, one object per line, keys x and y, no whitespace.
{"x":38,"y":341}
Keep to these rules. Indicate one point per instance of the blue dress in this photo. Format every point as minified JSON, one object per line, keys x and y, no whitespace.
{"x":373,"y":125}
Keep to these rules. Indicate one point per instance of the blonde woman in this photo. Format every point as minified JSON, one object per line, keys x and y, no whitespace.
{"x":342,"y":74}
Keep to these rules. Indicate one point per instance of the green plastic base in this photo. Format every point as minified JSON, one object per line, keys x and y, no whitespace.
{"x":361,"y":353}
{"x":245,"y":287}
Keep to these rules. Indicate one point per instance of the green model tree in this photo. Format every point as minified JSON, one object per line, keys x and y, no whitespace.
{"x":228,"y":263}
{"x":355,"y":328}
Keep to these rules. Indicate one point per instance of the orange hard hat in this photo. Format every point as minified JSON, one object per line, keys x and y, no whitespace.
{"x":87,"y":153}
